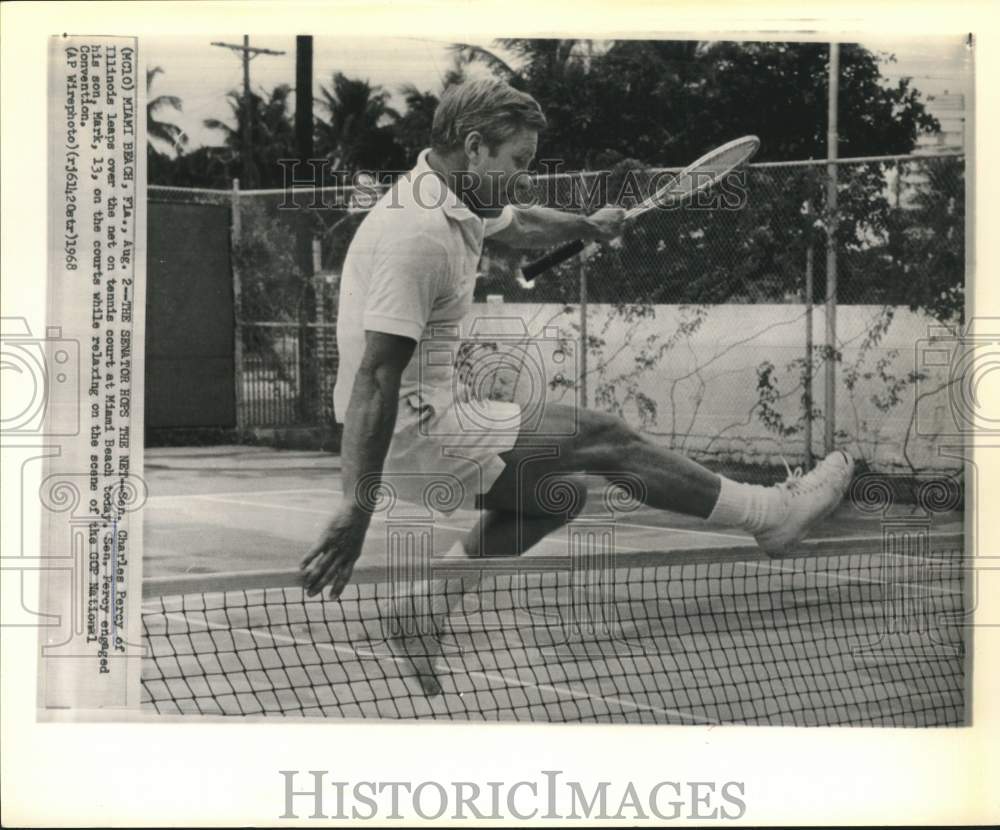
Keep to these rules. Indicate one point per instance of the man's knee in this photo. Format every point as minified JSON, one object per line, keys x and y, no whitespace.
{"x":598,"y":429}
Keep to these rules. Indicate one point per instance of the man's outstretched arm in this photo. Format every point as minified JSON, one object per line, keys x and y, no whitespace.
{"x":542,"y":227}
{"x":368,"y":428}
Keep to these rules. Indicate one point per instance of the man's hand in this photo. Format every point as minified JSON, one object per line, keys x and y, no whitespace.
{"x":332,"y":559}
{"x":607,"y":223}
{"x":368,"y":425}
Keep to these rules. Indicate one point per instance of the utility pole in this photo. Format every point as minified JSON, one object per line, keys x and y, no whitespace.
{"x":248,"y":53}
{"x":830,"y":401}
{"x":309,"y":371}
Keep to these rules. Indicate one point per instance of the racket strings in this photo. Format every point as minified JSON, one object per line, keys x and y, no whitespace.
{"x":700,"y":175}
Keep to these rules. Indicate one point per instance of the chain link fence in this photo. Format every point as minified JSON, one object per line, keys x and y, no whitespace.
{"x":758,"y":325}
{"x":762,"y":325}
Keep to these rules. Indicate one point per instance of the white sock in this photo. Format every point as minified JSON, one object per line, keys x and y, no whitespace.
{"x":747,"y":506}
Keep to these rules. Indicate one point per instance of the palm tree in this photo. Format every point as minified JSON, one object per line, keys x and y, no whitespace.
{"x":357,"y":133}
{"x":163,"y":131}
{"x":468,"y":53}
{"x":600,"y":97}
{"x":530,"y":57}
{"x":413,"y":128}
{"x":272,"y":130}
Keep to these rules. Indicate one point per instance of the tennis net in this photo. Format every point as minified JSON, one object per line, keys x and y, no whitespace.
{"x":846,"y":632}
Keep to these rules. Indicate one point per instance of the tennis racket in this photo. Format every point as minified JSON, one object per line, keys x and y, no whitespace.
{"x":704,"y":173}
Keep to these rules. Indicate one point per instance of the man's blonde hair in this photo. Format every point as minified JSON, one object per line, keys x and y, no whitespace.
{"x":490,"y":107}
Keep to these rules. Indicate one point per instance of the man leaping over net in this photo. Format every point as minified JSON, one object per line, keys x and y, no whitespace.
{"x":409,"y":273}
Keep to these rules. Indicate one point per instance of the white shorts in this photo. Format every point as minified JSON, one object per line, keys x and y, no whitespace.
{"x":443,"y":458}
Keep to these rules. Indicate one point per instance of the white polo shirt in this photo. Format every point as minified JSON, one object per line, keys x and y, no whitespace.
{"x":410,"y":271}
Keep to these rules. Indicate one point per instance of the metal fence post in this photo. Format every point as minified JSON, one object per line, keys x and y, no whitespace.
{"x":830,"y":398}
{"x":308,"y":373}
{"x":807,"y":379}
{"x":238,"y":368}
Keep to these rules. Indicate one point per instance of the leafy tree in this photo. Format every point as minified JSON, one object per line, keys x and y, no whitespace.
{"x":627,"y":105}
{"x":665,"y":102}
{"x":358,"y":134}
{"x":210,"y":167}
{"x":162,"y":133}
{"x":273,"y":285}
{"x":918,"y":257}
{"x":272,"y":132}
{"x":635,"y":103}
{"x":412,"y":129}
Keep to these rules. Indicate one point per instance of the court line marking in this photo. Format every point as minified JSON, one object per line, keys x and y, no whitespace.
{"x":869,"y":538}
{"x":316,"y":512}
{"x":244,"y":493}
{"x":691,"y":531}
{"x":260,"y":504}
{"x":335,"y":491}
{"x":224,"y":498}
{"x":490,"y":677}
{"x":265,"y":493}
{"x":772,"y":565}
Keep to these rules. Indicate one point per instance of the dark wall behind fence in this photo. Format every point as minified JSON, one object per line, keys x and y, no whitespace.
{"x":189,"y":318}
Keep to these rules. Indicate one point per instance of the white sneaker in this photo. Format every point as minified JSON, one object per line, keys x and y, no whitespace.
{"x":806,"y":500}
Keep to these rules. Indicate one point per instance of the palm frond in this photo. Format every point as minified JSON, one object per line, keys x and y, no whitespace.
{"x":151,"y":75}
{"x":215,"y":124}
{"x":470,"y":53}
{"x":167,"y":133}
{"x":161,"y":102}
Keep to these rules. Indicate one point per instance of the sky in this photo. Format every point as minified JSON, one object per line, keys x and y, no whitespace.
{"x":201,"y":74}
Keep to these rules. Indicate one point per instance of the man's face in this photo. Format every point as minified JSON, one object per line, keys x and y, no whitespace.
{"x":501,"y":177}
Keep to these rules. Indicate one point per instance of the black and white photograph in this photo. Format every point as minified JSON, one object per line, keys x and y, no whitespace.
{"x":548,"y":383}
{"x":637,"y":381}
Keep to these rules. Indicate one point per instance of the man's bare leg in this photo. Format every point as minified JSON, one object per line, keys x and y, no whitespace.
{"x":582,"y":441}
{"x":517,"y":518}
{"x":579,"y":441}
{"x":500,"y":532}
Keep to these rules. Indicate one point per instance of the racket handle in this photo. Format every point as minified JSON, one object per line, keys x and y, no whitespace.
{"x":551,"y":259}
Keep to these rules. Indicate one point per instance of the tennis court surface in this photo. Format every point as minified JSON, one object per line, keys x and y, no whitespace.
{"x":858,"y":628}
